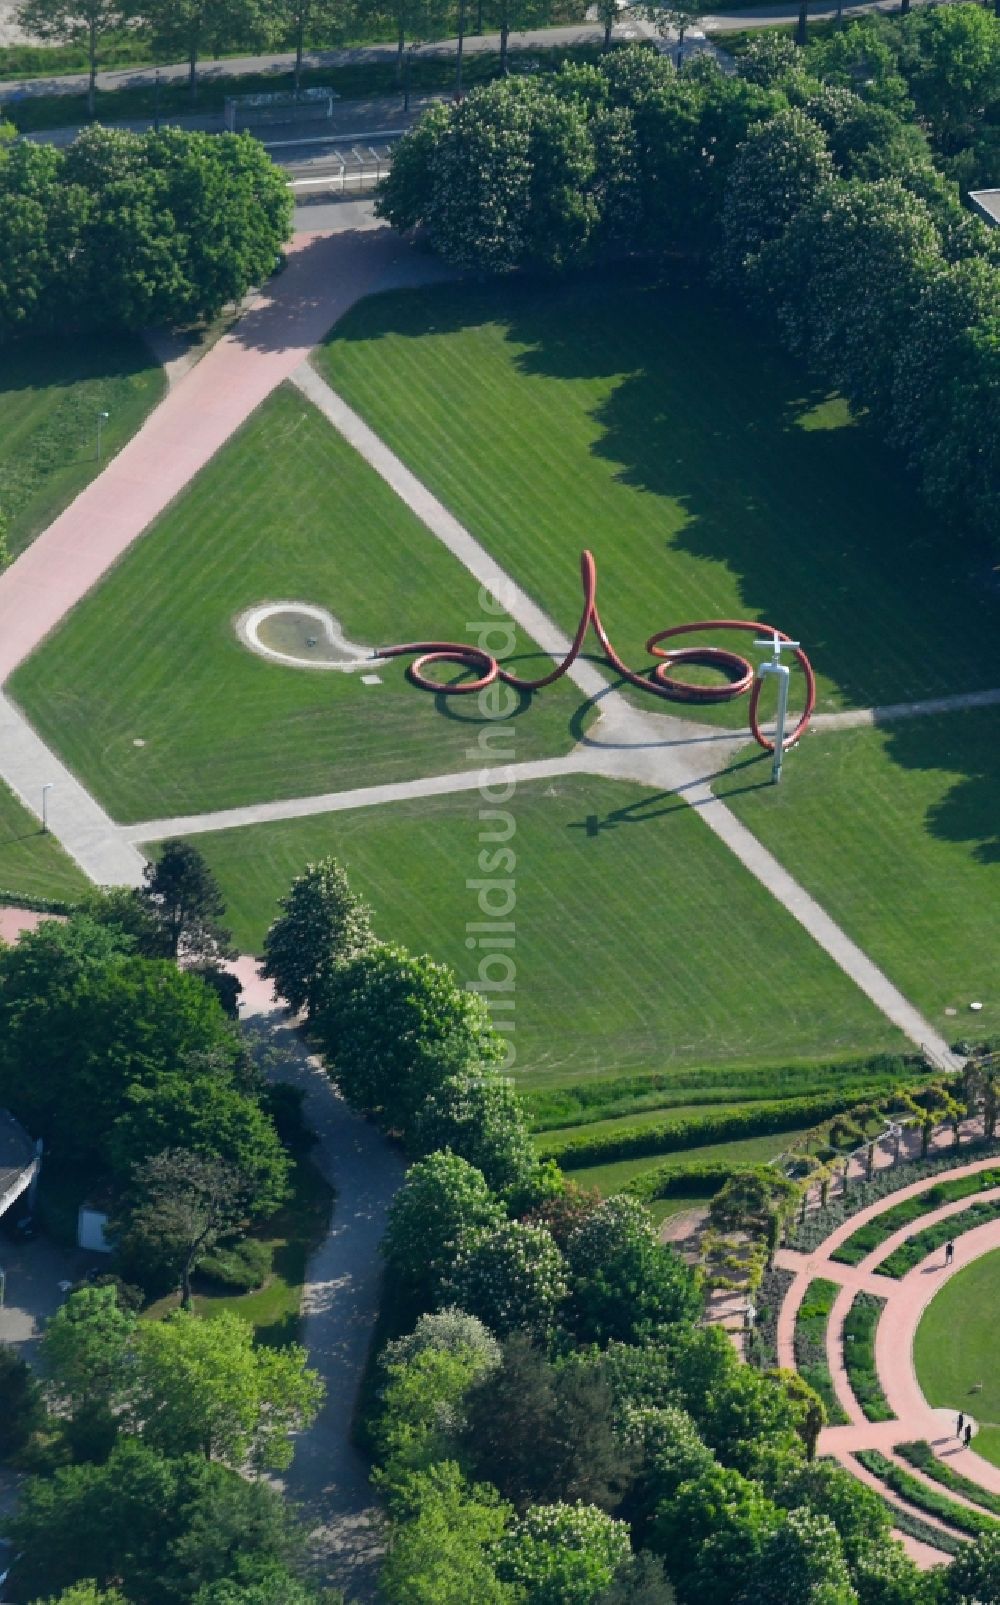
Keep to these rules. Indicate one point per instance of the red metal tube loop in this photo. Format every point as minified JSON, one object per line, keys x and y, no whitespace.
{"x":738,"y":672}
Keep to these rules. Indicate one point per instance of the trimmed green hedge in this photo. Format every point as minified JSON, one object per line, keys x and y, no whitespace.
{"x":811,"y":1321}
{"x":917,"y":1247}
{"x":868,"y":1237}
{"x":923,"y":1457}
{"x":632,"y":1142}
{"x":917,"y":1493}
{"x":38,"y":905}
{"x":700,"y":1180}
{"x":605,"y":1097}
{"x":859,"y":1356}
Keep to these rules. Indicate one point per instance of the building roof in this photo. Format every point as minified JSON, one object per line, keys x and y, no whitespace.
{"x":987,"y":204}
{"x":16,"y":1151}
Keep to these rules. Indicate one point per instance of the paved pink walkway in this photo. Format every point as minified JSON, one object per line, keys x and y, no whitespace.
{"x":326,"y":274}
{"x":906,"y":1299}
{"x":15,"y":920}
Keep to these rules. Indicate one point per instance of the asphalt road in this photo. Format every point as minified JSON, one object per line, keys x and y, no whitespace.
{"x":581,"y":33}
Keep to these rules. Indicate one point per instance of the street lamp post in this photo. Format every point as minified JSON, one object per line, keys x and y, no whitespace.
{"x":781,"y":671}
{"x":45,"y":805}
{"x":102,"y":418}
{"x":411,"y":51}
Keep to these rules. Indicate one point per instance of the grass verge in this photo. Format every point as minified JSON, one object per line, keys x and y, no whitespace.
{"x":32,"y":864}
{"x":51,"y":393}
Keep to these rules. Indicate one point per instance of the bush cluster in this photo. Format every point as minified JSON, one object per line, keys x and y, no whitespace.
{"x":130,"y":230}
{"x":820,"y":206}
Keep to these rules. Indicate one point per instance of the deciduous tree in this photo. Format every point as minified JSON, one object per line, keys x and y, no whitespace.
{"x":201,"y":1387}
{"x":75,"y":22}
{"x":185,"y":1203}
{"x":323,"y":924}
{"x":395,"y":1026}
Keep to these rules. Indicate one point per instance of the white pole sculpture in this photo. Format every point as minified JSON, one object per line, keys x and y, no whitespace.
{"x":776,"y":667}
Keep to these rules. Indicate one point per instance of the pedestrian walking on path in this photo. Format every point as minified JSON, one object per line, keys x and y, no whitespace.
{"x":968,"y":1433}
{"x":961,"y":1424}
{"x":949,"y":1253}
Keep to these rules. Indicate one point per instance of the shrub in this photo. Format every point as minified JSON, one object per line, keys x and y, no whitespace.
{"x":240,"y":1268}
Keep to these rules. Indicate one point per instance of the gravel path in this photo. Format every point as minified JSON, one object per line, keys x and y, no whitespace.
{"x":328,"y":1478}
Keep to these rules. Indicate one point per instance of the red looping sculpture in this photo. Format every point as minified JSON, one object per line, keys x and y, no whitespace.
{"x":737,"y":670}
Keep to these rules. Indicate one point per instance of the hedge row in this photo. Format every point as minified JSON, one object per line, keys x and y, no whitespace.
{"x":934,"y":1504}
{"x":700,"y":1180}
{"x":674,"y":1135}
{"x":553,"y":1107}
{"x":923,"y":1457}
{"x":37,"y":905}
{"x":868,"y":1237}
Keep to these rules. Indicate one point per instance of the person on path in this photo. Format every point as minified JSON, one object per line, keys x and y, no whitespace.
{"x":961,"y":1423}
{"x":949,"y":1253}
{"x":968,"y":1433}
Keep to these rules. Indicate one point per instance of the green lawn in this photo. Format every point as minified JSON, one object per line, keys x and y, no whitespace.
{"x":631,"y":944}
{"x":51,"y":392}
{"x":285,"y":511}
{"x":706,"y":473}
{"x":33,"y":865}
{"x":895,"y":831}
{"x":955,"y":1349}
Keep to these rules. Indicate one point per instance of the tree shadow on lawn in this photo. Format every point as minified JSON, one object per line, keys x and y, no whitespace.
{"x":814,"y":518}
{"x":967,"y":742}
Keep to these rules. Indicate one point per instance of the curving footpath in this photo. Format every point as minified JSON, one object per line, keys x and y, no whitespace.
{"x":906,"y":1299}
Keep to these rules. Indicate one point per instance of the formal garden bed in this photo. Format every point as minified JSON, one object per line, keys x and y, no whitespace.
{"x":817,"y":1225}
{"x":859,"y":1356}
{"x":917,"y":1247}
{"x":811,"y":1320}
{"x":923,"y":1457}
{"x":908,"y":1487}
{"x":875,"y":1232}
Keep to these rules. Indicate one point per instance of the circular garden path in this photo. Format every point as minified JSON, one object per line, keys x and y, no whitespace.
{"x":905,"y":1298}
